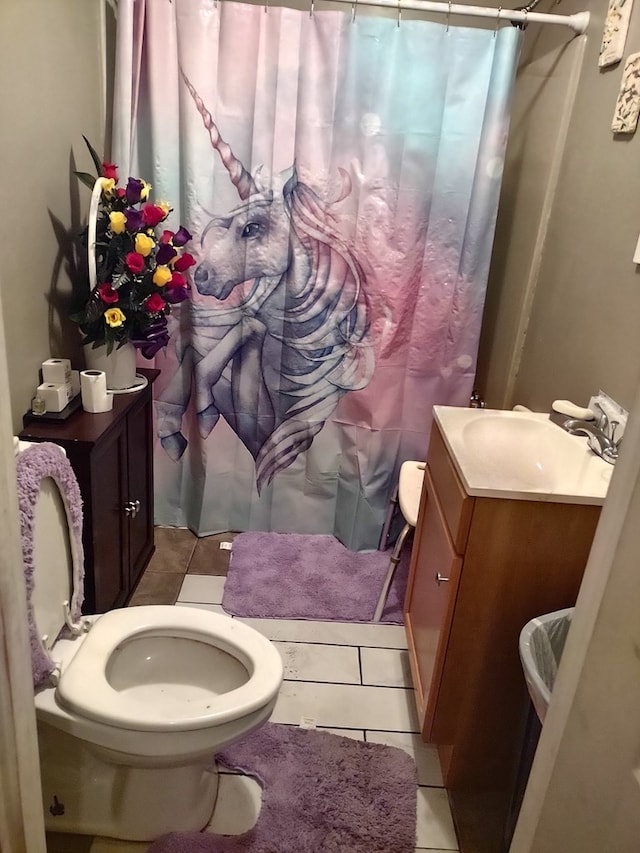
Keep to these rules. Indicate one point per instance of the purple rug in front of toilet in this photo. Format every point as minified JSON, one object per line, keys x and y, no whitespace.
{"x":296,"y":576}
{"x":322,"y":793}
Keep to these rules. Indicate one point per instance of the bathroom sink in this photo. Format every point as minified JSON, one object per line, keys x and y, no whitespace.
{"x":521,"y":455}
{"x":541,"y":645}
{"x":525,"y":450}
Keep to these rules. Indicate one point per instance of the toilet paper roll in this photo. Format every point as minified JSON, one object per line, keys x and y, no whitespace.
{"x":93,"y":388}
{"x":56,"y":370}
{"x":55,"y":395}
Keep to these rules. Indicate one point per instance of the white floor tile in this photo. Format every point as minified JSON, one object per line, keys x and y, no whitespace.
{"x":238,"y":805}
{"x":214,"y":608}
{"x":114,"y":845}
{"x":332,"y":633}
{"x":354,"y":734}
{"x":316,"y":662}
{"x":202,"y":589}
{"x":386,"y":667}
{"x":346,"y":706}
{"x":435,"y":825}
{"x":424,"y":755}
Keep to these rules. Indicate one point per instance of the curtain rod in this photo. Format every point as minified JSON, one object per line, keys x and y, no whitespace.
{"x":578,"y":22}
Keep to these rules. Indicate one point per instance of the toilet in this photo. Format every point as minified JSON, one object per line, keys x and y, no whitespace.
{"x":133,"y":704}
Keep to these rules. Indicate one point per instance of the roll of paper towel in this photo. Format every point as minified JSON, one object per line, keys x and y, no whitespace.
{"x":93,"y":388}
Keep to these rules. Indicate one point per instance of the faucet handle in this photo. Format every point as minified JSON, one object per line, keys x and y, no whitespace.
{"x":603,"y":421}
{"x":613,"y":426}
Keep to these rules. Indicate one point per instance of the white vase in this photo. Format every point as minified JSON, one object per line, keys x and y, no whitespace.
{"x":119,"y":366}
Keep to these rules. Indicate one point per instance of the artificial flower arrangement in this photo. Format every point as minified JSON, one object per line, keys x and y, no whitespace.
{"x":138,"y":274}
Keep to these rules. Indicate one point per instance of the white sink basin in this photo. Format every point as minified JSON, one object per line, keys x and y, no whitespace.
{"x":525,"y":449}
{"x":521,"y":455}
{"x":541,"y":645}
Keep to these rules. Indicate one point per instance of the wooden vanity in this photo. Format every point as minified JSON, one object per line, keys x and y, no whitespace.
{"x":482,"y":567}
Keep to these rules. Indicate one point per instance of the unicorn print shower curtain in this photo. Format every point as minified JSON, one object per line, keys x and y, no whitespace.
{"x":340,"y":178}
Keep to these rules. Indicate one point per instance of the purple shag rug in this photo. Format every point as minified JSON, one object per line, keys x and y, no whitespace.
{"x":295,"y":576}
{"x":321,"y":794}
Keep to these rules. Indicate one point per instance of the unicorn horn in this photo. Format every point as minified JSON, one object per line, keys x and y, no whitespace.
{"x":240,"y":178}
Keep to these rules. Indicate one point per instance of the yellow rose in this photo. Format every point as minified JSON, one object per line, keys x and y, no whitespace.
{"x":114,"y":317}
{"x":144,"y":245}
{"x":118,"y":221}
{"x":108,"y":186}
{"x":144,"y":192}
{"x":162,"y":275}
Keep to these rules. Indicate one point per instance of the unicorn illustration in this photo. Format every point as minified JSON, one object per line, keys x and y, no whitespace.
{"x":288,"y":333}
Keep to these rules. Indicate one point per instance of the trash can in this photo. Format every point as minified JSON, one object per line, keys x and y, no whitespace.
{"x":541,"y":645}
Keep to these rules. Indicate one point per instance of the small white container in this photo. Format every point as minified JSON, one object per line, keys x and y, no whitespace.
{"x":55,"y":395}
{"x":56,"y":371}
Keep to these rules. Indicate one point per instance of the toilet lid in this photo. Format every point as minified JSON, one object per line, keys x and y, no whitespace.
{"x":51,"y":526}
{"x":87,"y":686}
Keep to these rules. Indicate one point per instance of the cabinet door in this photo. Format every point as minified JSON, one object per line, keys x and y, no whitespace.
{"x":140,"y":488}
{"x":430,"y":601}
{"x":109,"y":526}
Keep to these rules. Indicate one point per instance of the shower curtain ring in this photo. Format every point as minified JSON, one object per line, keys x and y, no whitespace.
{"x":448,"y":15}
{"x":354,"y":6}
{"x":399,"y":13}
{"x":497,"y":21}
{"x":311,"y":9}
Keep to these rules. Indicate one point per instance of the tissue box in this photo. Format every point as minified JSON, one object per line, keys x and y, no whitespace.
{"x":74,"y":381}
{"x":56,"y":371}
{"x":55,"y":395}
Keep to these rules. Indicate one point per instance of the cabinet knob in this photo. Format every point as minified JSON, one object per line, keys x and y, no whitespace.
{"x":132,"y":508}
{"x":440,"y":579}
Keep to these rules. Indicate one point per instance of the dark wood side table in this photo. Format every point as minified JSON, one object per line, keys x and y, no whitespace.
{"x":111,"y":454}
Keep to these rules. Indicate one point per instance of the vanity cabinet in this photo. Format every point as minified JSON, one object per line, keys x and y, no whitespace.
{"x":481,"y":567}
{"x":111,"y":455}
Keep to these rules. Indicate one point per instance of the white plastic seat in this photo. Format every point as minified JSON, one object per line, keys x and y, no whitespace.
{"x":90,"y":687}
{"x":408,"y":497}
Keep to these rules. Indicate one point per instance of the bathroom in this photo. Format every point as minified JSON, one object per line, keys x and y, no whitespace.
{"x":562,"y":309}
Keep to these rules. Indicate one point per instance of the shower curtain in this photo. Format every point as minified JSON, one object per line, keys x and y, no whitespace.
{"x":339,"y":175}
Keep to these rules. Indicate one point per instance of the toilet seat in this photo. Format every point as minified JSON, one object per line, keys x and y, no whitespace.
{"x":84,"y":687}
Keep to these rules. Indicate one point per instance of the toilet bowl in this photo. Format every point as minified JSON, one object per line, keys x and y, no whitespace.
{"x":133,"y":704}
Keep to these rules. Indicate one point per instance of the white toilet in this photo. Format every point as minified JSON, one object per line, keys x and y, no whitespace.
{"x":140,"y":699}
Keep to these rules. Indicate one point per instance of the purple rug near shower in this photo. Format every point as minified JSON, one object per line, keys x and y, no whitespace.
{"x":295,"y":576}
{"x":321,"y":794}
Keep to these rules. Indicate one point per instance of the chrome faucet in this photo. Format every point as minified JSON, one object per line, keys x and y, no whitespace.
{"x":598,"y":440}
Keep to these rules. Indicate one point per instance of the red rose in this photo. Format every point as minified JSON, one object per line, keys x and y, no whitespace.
{"x":108,"y":295}
{"x":121,"y":192}
{"x":166,"y":236}
{"x":184,"y":262}
{"x":134,"y":262}
{"x":110,"y":170}
{"x":152,"y":215}
{"x":155,"y":303}
{"x":178,"y":280}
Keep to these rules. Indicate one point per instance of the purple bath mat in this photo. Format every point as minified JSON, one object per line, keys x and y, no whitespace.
{"x":294,"y":576}
{"x":321,"y":794}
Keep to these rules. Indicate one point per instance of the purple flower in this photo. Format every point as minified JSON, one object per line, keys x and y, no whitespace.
{"x":134,"y":190}
{"x":174,"y":295}
{"x":134,"y":220}
{"x":152,"y":339}
{"x":165,"y":253}
{"x":181,"y":236}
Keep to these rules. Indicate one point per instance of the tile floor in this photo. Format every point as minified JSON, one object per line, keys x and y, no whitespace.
{"x":349,"y":678}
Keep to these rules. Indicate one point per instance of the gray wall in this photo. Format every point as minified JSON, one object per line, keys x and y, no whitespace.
{"x":563,"y":303}
{"x":52,"y":93}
